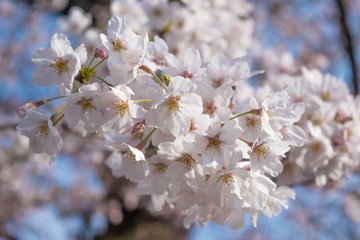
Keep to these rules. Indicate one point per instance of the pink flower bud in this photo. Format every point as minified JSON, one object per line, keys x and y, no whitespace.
{"x":21,"y":111}
{"x":138,"y":127}
{"x":100,"y":53}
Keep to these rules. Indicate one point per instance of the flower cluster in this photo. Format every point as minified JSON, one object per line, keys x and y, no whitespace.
{"x":188,"y":133}
{"x":224,"y":27}
{"x":331,"y":123}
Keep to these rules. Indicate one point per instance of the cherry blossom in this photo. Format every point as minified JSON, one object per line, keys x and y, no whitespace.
{"x":172,"y":113}
{"x":44,"y":138}
{"x":58,"y":64}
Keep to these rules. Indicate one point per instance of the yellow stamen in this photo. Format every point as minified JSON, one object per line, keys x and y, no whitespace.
{"x":187,"y":160}
{"x":43,"y":129}
{"x":214,"y":142}
{"x":262,"y":151}
{"x":60,"y":65}
{"x":86,"y":104}
{"x":160,"y":168}
{"x":120,"y":107}
{"x":120,"y":45}
{"x":317,"y":147}
{"x":227,"y":178}
{"x":173,"y":102}
{"x":130,"y":157}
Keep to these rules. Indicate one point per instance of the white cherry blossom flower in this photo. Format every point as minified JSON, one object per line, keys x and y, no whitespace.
{"x":222,"y":73}
{"x":259,"y":188}
{"x":251,"y":123}
{"x":185,"y":163}
{"x":132,"y":11}
{"x":120,"y":39}
{"x":216,"y":101}
{"x":58,"y":64}
{"x":264,"y":157}
{"x":276,"y":112}
{"x":227,"y":187}
{"x":76,"y":21}
{"x":315,"y":153}
{"x":120,"y":110}
{"x":173,"y":112}
{"x":158,"y":167}
{"x":44,"y":138}
{"x":221,"y":143}
{"x":157,"y":54}
{"x":126,"y":51}
{"x":190,"y":68}
{"x":83,"y":109}
{"x":128,"y":161}
{"x":277,"y":199}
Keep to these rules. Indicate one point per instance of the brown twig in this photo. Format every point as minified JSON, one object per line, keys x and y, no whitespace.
{"x":349,"y":46}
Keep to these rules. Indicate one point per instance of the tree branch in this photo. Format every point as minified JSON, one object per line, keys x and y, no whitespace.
{"x":349,"y":46}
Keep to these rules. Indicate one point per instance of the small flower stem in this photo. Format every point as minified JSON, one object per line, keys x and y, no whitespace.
{"x":243,"y":140}
{"x":253,"y":111}
{"x":142,"y":144}
{"x":101,"y":62}
{"x":250,"y":144}
{"x":91,"y":61}
{"x":54,"y":98}
{"x":103,"y":80}
{"x":58,"y":120}
{"x":144,"y":100}
{"x":58,"y":113}
{"x":148,"y":70}
{"x":43,"y":101}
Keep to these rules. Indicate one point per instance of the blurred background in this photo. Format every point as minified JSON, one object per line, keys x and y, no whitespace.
{"x":76,"y":196}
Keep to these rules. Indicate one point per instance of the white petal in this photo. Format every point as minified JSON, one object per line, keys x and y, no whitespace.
{"x":81,"y":51}
{"x":236,"y":220}
{"x":43,"y":56}
{"x":115,"y":27}
{"x":61,"y":44}
{"x":45,"y":75}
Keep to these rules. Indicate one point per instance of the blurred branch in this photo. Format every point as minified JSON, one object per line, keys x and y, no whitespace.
{"x":7,"y":126}
{"x":4,"y":234}
{"x":349,"y":46}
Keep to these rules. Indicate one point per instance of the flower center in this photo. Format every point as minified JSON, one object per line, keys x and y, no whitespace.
{"x":262,"y":151}
{"x":227,"y":178}
{"x":217,"y":82}
{"x":86,"y":104}
{"x":319,"y":121}
{"x":186,"y":74}
{"x":43,"y":129}
{"x":157,"y":12}
{"x":160,"y":60}
{"x":160,"y":168}
{"x":120,"y":45}
{"x":60,"y":65}
{"x":326,"y":96}
{"x":317,"y":147}
{"x":270,"y":113}
{"x":187,"y":160}
{"x":252,"y":121}
{"x":173,"y":103}
{"x":130,"y":157}
{"x":120,"y":107}
{"x":214,"y":142}
{"x":210,"y":108}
